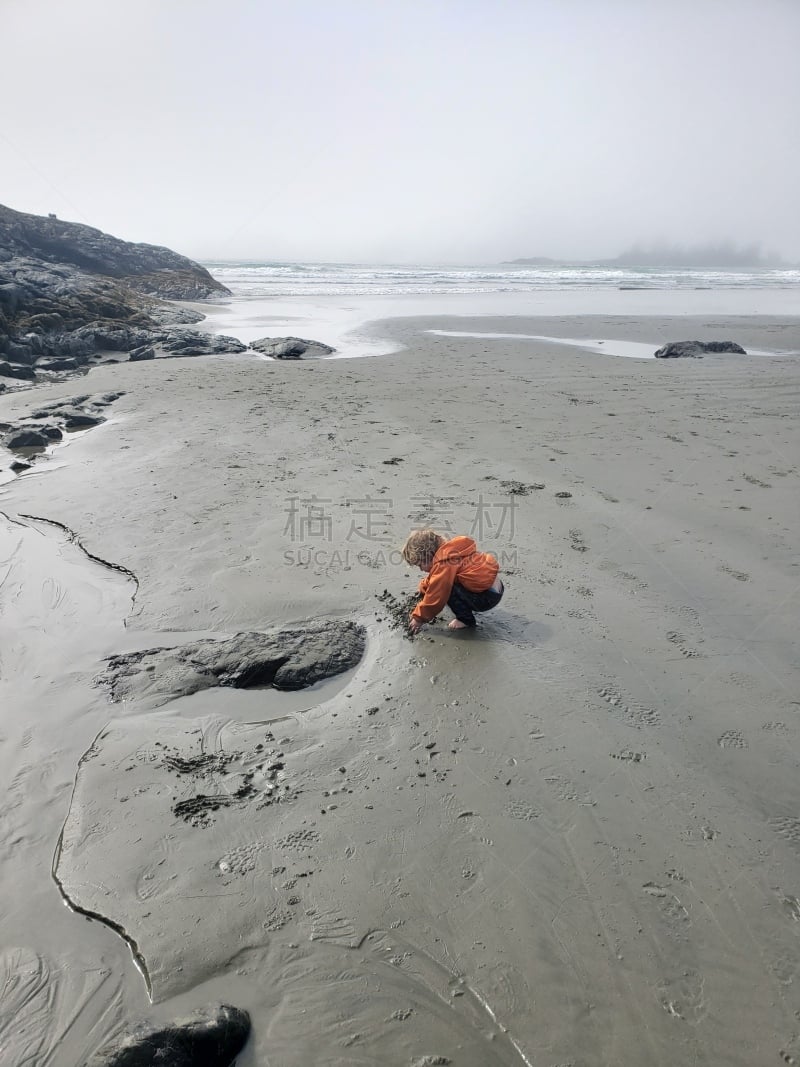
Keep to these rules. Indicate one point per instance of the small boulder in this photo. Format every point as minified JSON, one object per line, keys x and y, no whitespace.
{"x":211,"y":1038}
{"x":52,"y":433}
{"x":16,"y":370}
{"x":18,"y":467}
{"x":18,"y":439}
{"x":291,"y":348}
{"x":75,"y":419}
{"x":58,"y":363}
{"x":137,"y":355}
{"x":696,"y":349}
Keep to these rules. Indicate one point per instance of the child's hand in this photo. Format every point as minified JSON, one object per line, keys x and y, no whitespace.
{"x":415,"y":625}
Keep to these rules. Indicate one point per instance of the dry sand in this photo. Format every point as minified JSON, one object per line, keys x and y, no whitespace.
{"x":571,"y":837}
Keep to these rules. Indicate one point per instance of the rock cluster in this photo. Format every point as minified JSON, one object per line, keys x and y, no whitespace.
{"x":48,"y":424}
{"x":69,"y":291}
{"x":71,"y":295}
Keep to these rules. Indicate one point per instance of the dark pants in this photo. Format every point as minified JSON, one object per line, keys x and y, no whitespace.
{"x":463,"y":603}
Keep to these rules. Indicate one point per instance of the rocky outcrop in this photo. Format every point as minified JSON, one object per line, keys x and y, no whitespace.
{"x":211,"y":1038}
{"x":48,"y":425}
{"x":291,"y":348}
{"x":148,"y":269}
{"x":68,"y":291}
{"x":696,"y":349}
{"x":290,"y":658}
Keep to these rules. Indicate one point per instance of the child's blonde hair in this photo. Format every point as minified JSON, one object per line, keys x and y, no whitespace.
{"x":421,"y":546}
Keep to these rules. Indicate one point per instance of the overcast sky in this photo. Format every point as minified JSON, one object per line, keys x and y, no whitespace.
{"x":406,"y":130}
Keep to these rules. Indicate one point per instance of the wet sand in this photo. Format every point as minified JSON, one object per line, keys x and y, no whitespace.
{"x":569,"y":837}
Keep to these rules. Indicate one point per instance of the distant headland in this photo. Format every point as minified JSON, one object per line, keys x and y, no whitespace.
{"x":722,"y":256}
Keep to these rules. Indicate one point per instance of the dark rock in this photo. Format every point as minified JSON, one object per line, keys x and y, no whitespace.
{"x":290,"y":658}
{"x":147,"y":268}
{"x":25,"y":352}
{"x":69,"y":291}
{"x":2,"y":387}
{"x":139,"y":354}
{"x":52,"y":433}
{"x":291,"y":348}
{"x":19,"y":439}
{"x":58,"y":363}
{"x":93,"y":337}
{"x":194,"y":343}
{"x":211,"y":1038}
{"x":11,"y":370}
{"x":724,"y":346}
{"x":172,"y":315}
{"x":18,"y":467}
{"x":696,"y":349}
{"x":75,"y":419}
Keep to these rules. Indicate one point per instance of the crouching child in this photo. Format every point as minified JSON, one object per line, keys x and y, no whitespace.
{"x":458,"y":575}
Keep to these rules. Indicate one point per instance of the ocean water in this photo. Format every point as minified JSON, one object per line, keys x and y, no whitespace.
{"x":343,"y":279}
{"x":341,"y":304}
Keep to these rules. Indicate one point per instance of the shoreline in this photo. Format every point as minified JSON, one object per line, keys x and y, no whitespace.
{"x":348,"y":322}
{"x":599,"y":862}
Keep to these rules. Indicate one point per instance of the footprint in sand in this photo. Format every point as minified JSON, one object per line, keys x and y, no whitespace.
{"x":785,"y":969}
{"x":577,"y":542}
{"x":788,"y":827}
{"x":672,"y":910}
{"x":732,"y":739}
{"x":241,"y":860}
{"x":520,"y":809}
{"x":276,"y":918}
{"x":628,"y":576}
{"x":564,"y":789}
{"x":740,"y":576}
{"x":636,"y":715}
{"x":744,"y":681}
{"x":679,"y":641}
{"x":627,"y":756}
{"x":683,"y":997}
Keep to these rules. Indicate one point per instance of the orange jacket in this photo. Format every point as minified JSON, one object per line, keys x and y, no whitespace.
{"x":457,"y":560}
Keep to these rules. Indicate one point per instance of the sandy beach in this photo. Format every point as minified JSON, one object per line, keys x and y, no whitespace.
{"x":569,"y":837}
